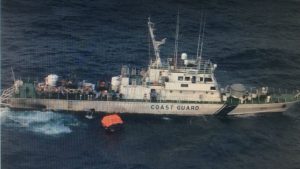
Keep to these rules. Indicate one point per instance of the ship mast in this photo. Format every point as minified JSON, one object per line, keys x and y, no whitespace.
{"x":176,"y":41}
{"x":203,"y":30}
{"x":156,"y":44}
{"x":199,"y":37}
{"x":201,"y":40}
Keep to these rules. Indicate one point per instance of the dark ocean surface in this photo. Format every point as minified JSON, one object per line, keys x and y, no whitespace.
{"x":255,"y":42}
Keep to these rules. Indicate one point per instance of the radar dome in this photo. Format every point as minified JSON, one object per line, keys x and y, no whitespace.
{"x":237,"y":90}
{"x":184,"y":56}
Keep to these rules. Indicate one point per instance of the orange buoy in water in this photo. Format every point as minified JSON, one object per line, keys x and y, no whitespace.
{"x":112,"y":122}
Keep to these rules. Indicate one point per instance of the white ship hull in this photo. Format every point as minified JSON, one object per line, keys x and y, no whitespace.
{"x":146,"y":107}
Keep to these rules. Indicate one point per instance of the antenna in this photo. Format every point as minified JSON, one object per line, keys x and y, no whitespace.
{"x":203,"y":30}
{"x":176,"y":41}
{"x":13,"y":73}
{"x":149,"y":46}
{"x":199,"y":37}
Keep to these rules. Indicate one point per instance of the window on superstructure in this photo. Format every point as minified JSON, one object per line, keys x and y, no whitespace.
{"x":187,"y":78}
{"x":207,"y":79}
{"x":213,"y":88}
{"x":194,"y":79}
{"x":180,"y":78}
{"x":201,"y":79}
{"x":184,"y":85}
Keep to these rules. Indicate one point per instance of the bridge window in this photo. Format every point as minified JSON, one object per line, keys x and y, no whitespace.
{"x":187,"y":78}
{"x":213,"y":88}
{"x":207,"y":79}
{"x":184,"y":85}
{"x":180,"y":78}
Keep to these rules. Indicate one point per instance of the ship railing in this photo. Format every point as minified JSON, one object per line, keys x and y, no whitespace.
{"x":171,"y":101}
{"x":86,"y":97}
{"x":205,"y":67}
{"x":65,"y":96}
{"x":191,"y":70}
{"x":110,"y":97}
{"x":276,"y":96}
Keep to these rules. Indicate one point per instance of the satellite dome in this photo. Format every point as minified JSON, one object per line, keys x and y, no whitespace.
{"x":237,"y":90}
{"x":184,"y":56}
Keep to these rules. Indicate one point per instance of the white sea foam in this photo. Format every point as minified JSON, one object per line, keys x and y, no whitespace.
{"x":3,"y":113}
{"x":166,"y":118}
{"x":52,"y":129}
{"x":30,"y":117}
{"x":245,"y":115}
{"x":49,"y":123}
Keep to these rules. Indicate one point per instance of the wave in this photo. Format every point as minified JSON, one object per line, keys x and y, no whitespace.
{"x":48,"y":122}
{"x":52,"y":129}
{"x":3,"y":113}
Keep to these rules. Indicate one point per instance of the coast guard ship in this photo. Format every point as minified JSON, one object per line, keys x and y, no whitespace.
{"x":178,"y":86}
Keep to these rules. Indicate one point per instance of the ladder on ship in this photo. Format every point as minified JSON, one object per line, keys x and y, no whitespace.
{"x":6,"y":94}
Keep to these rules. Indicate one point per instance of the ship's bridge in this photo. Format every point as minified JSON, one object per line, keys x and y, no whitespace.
{"x":194,"y":66}
{"x":176,"y":79}
{"x":194,"y":69}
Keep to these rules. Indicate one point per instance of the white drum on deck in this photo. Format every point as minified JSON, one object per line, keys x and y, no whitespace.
{"x":51,"y":80}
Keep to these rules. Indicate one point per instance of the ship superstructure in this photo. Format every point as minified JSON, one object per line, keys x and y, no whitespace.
{"x":181,"y":79}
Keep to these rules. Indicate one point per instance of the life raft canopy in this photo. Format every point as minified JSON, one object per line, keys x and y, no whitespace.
{"x":110,"y":120}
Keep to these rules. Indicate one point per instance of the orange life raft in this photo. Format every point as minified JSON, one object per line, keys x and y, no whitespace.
{"x":111,"y":122}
